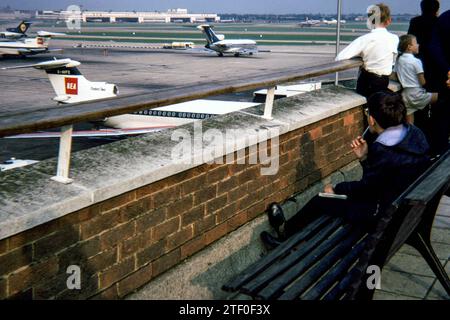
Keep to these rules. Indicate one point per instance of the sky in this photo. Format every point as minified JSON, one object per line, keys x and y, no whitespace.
{"x":225,"y":6}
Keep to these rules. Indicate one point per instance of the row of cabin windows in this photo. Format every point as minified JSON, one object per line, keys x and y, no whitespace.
{"x":175,"y":114}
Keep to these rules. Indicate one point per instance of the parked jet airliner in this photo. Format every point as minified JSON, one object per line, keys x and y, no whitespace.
{"x":15,"y":42}
{"x":17,"y":32}
{"x":217,"y":42}
{"x":71,"y":86}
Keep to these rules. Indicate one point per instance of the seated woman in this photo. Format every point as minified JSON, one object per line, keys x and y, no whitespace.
{"x":390,"y":164}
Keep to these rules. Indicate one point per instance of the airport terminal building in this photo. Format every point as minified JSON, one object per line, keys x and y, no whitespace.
{"x":172,"y":15}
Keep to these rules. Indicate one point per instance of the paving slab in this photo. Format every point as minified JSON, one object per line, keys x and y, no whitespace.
{"x":405,"y":284}
{"x":440,"y":235}
{"x":410,"y":264}
{"x":442,"y":250}
{"x":384,"y":295}
{"x":437,"y":292}
{"x":442,"y":222}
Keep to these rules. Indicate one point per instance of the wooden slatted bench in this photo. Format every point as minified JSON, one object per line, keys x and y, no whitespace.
{"x":328,"y":259}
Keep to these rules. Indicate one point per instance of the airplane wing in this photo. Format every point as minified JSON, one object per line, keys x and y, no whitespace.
{"x":37,"y":51}
{"x":241,"y":50}
{"x":47,"y":64}
{"x":32,"y":51}
{"x":201,"y":50}
{"x":11,"y":35}
{"x":91,"y":133}
{"x":59,"y":50}
{"x":233,"y":50}
{"x":227,"y":49}
{"x":49,"y":34}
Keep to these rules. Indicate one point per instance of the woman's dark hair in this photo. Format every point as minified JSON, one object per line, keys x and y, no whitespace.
{"x":387,"y":108}
{"x":429,"y":7}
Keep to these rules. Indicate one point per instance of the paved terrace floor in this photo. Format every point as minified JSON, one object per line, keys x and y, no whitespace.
{"x":408,"y":277}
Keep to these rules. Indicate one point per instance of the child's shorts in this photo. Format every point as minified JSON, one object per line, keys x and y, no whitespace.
{"x":416,"y":99}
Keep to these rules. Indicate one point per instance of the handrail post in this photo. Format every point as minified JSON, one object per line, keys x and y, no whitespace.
{"x":65,"y":146}
{"x":270,"y":96}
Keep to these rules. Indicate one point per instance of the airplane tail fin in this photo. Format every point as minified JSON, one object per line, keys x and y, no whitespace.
{"x":69,"y":84}
{"x":211,"y":37}
{"x":21,"y":28}
{"x":65,"y":79}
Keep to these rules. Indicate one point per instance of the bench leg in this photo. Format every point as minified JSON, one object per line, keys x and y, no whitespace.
{"x":423,"y":245}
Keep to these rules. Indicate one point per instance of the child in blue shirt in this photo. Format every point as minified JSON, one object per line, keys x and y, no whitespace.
{"x":409,"y":72}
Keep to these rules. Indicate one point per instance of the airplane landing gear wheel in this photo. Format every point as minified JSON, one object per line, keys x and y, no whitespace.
{"x":220,"y":54}
{"x":236,"y":54}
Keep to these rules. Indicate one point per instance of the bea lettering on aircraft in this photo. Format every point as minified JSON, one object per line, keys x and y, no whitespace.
{"x":71,"y":85}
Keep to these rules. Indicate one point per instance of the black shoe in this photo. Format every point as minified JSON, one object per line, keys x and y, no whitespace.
{"x":276,"y":217}
{"x":270,"y":242}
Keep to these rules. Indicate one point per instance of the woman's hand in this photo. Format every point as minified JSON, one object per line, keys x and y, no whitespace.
{"x":360,"y":147}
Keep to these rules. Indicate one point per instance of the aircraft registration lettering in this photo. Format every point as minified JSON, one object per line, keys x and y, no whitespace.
{"x":71,"y":85}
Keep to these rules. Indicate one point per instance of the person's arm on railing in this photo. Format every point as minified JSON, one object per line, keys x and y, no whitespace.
{"x":354,"y":49}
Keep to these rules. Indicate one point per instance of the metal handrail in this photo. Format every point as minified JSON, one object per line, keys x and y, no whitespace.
{"x":65,"y":116}
{"x":52,"y":117}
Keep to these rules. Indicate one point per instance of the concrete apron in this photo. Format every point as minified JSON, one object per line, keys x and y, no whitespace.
{"x":201,"y":276}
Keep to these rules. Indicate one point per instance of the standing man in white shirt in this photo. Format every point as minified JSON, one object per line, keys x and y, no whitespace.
{"x":378,"y":49}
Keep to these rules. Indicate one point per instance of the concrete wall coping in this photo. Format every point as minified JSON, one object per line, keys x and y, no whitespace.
{"x":29,"y":198}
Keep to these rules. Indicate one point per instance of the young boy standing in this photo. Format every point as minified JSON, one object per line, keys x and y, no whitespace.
{"x":378,"y":49}
{"x":409,"y":72}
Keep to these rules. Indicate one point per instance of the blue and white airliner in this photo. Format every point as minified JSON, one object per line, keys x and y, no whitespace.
{"x":217,"y":42}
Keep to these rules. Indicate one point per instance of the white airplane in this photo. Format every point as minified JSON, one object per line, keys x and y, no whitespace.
{"x":17,"y":32}
{"x":332,"y":21}
{"x":310,"y":23}
{"x":217,"y":42}
{"x":71,"y":86}
{"x":317,"y":23}
{"x":68,"y":82}
{"x":16,"y":43}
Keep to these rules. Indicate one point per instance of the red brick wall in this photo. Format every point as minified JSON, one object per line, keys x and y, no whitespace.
{"x":122,"y":243}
